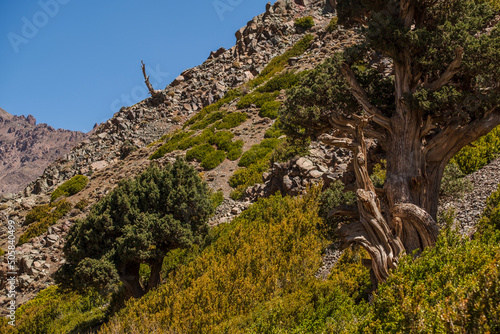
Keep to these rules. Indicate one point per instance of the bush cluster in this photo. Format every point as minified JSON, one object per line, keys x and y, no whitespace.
{"x":285,"y":80}
{"x":228,"y":97}
{"x":270,"y":109}
{"x":70,"y":187}
{"x":333,"y":25}
{"x":305,"y":22}
{"x":41,"y":217}
{"x":256,"y":98}
{"x":278,"y":63}
{"x":479,"y":153}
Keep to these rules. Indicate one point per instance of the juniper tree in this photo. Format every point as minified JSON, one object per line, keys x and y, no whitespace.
{"x":424,"y":83}
{"x":138,"y":222}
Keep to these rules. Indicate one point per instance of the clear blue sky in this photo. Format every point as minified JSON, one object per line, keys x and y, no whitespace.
{"x":74,"y":63}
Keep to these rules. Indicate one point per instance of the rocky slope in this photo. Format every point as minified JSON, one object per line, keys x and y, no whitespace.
{"x":26,"y":149}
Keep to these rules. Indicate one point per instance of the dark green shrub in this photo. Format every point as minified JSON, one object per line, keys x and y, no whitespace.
{"x":199,"y":152}
{"x":270,"y":109}
{"x":137,"y":223}
{"x":231,"y":120}
{"x":333,"y":25}
{"x":70,"y":187}
{"x":213,"y":159}
{"x":257,"y":99}
{"x":274,"y":131}
{"x":45,"y":217}
{"x":305,"y":22}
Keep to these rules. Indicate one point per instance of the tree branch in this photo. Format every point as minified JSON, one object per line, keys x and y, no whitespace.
{"x":152,"y":91}
{"x":420,"y":219}
{"x":452,"y":69}
{"x":359,"y":93}
{"x":337,"y":142}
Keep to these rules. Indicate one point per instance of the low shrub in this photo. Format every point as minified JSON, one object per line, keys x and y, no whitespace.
{"x":199,"y":152}
{"x":258,"y":152}
{"x":278,"y":63}
{"x":228,"y":97}
{"x":231,"y":120}
{"x":489,"y":225}
{"x":234,"y":153}
{"x":70,"y":187}
{"x":290,"y":148}
{"x":281,"y":81}
{"x":333,"y":25}
{"x":44,"y":218}
{"x":274,"y":130}
{"x":247,"y":177}
{"x":256,"y":98}
{"x":305,"y":22}
{"x":454,"y":184}
{"x":217,"y":199}
{"x":82,"y":204}
{"x":208,"y":120}
{"x":270,"y":109}
{"x":481,"y":152}
{"x":213,"y":159}
{"x":172,"y":144}
{"x":223,"y":140}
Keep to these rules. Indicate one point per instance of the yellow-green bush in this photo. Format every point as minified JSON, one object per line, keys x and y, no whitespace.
{"x":270,"y":109}
{"x":228,"y":97}
{"x":70,"y":187}
{"x":268,"y":256}
{"x":258,"y":152}
{"x":43,"y":217}
{"x":333,"y":25}
{"x":57,"y":311}
{"x":378,"y":174}
{"x":489,"y":225}
{"x":199,"y":152}
{"x":281,"y":81}
{"x":453,"y":287}
{"x":480,"y":153}
{"x":278,"y":63}
{"x":213,"y":159}
{"x":231,"y":120}
{"x":256,"y":98}
{"x":172,"y":143}
{"x":305,"y":22}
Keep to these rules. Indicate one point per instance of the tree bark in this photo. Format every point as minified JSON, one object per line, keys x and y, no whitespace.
{"x":154,"y":278}
{"x":131,"y":280}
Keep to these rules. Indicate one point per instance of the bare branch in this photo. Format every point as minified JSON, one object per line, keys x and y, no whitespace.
{"x":337,"y":142}
{"x":152,"y":91}
{"x":344,"y":211}
{"x":359,"y":93}
{"x":452,"y":69}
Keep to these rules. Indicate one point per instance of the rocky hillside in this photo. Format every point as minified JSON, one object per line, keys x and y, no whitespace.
{"x":26,"y":149}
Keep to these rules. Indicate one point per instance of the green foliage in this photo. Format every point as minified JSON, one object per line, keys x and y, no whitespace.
{"x":138,"y":222}
{"x":199,"y":152}
{"x":258,"y":152}
{"x":305,"y":22}
{"x":209,"y":119}
{"x":270,"y":109}
{"x":378,"y":174}
{"x":256,"y":277}
{"x":82,"y":204}
{"x":217,"y":199}
{"x":489,"y":225}
{"x":70,"y":187}
{"x":222,"y":139}
{"x":42,"y":217}
{"x":333,"y":25}
{"x":453,"y":183}
{"x":451,"y":288}
{"x":172,"y":144}
{"x":330,"y":199}
{"x":57,"y":311}
{"x":2,"y":252}
{"x":481,"y":152}
{"x":234,"y":153}
{"x":274,"y":131}
{"x":213,"y":159}
{"x":232,"y":120}
{"x":257,"y":99}
{"x":278,"y":63}
{"x":247,"y":177}
{"x":285,"y":80}
{"x":290,"y":148}
{"x":229,"y":97}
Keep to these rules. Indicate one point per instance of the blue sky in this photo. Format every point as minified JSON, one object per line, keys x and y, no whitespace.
{"x":74,"y":63}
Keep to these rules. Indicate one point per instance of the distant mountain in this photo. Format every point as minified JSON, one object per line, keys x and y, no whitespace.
{"x":26,"y":149}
